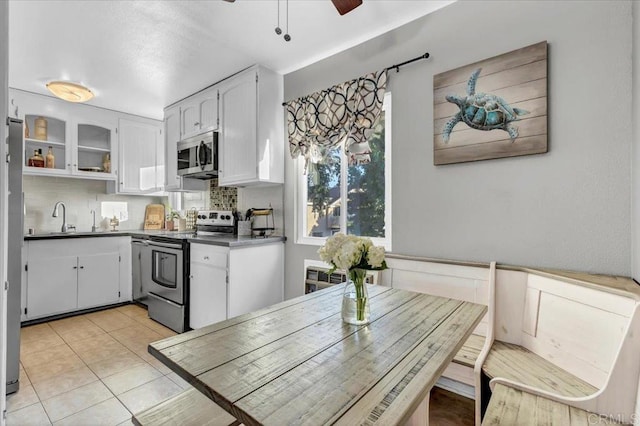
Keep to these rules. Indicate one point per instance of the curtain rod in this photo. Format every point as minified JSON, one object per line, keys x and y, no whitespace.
{"x":397,"y":66}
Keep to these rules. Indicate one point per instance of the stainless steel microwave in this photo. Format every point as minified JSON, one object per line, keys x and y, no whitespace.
{"x":198,"y":156}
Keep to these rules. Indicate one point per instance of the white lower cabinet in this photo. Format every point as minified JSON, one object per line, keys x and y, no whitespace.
{"x":208,"y":285}
{"x":93,"y":272}
{"x":227,"y":282}
{"x":52,"y":286}
{"x":98,"y":280}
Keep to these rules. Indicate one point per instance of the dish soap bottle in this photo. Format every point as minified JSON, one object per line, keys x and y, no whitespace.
{"x":50,"y":160}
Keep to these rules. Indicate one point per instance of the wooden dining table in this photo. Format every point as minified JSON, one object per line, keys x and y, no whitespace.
{"x":297,"y":362}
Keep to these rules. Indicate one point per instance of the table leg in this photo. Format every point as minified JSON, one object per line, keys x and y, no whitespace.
{"x":420,"y":417}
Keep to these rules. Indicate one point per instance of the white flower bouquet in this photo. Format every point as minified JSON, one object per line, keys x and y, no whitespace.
{"x":348,"y":252}
{"x":354,"y":255}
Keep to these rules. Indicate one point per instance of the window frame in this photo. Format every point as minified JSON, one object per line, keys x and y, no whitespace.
{"x":300,"y":197}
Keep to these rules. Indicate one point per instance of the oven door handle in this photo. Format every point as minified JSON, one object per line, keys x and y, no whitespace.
{"x":165,"y":245}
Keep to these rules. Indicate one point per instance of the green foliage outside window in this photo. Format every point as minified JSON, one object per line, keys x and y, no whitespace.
{"x":365,"y":191}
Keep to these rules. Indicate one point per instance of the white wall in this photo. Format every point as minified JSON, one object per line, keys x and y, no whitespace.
{"x":4,"y":85}
{"x":263,"y":197}
{"x":569,"y":208}
{"x":80,"y":196}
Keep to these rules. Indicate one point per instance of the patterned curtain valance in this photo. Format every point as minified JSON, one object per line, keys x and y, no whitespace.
{"x":343,"y":114}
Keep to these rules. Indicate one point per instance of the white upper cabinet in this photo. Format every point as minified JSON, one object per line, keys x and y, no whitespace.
{"x":172,"y":181}
{"x":95,"y":145}
{"x":251,"y":145}
{"x":246,"y":110}
{"x":237,"y":145}
{"x":171,"y":138}
{"x":141,"y":159}
{"x":81,"y":139}
{"x":199,"y":113}
{"x":86,"y":143}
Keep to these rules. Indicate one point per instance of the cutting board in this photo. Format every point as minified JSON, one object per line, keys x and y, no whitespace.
{"x":154,"y":216}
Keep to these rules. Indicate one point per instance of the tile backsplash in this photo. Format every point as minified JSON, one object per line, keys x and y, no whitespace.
{"x":222,"y":197}
{"x":80,"y":196}
{"x":242,"y":199}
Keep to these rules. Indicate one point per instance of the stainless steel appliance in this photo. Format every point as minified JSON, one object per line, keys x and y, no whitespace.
{"x":14,"y":254}
{"x":167,"y":282}
{"x":215,"y":223}
{"x":140,"y":268}
{"x":198,"y":156}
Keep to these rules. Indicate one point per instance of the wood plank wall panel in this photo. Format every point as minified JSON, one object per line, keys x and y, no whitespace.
{"x":519,"y":77}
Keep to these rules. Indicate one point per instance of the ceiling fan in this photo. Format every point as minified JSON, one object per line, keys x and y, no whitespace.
{"x":343,"y":6}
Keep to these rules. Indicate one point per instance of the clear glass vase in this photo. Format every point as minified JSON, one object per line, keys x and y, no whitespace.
{"x":355,"y":299}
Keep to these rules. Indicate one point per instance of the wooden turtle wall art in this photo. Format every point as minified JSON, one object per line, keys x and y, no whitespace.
{"x":506,"y":93}
{"x":482,"y":111}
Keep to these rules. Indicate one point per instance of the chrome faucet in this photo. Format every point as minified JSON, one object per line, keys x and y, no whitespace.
{"x":65,"y":227}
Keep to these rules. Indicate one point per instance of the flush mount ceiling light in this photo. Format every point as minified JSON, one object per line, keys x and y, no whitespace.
{"x":68,"y":91}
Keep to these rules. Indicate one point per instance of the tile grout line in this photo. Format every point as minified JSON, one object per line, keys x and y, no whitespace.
{"x":137,"y":321}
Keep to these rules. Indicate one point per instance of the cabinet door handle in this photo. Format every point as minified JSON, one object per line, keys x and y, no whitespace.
{"x":206,"y":258}
{"x":191,"y":276}
{"x":82,"y":267}
{"x":197,"y":123}
{"x":75,"y":267}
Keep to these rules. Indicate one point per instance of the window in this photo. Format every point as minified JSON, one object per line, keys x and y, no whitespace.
{"x":365,"y":191}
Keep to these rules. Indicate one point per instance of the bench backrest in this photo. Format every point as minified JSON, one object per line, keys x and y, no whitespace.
{"x":577,"y":328}
{"x":468,"y":283}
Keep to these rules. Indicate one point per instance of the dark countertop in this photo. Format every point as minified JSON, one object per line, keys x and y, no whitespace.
{"x":226,"y":241}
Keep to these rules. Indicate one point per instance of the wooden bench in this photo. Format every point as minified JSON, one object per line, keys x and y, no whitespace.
{"x":470,"y":351}
{"x":564,"y":336}
{"x":190,"y":408}
{"x":576,"y":342}
{"x":469,"y":282}
{"x":509,"y":406}
{"x":516,"y":363}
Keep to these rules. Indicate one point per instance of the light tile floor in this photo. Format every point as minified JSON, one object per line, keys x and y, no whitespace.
{"x":91,"y":369}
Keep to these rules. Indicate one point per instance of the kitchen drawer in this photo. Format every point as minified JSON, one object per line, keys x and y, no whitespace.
{"x":209,"y":255}
{"x":166,"y":312}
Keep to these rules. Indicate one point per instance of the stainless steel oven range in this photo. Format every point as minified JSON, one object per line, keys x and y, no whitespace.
{"x":216,"y":223}
{"x":167,"y":282}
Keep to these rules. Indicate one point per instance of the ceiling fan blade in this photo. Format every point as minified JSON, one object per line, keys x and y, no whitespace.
{"x":346,"y":6}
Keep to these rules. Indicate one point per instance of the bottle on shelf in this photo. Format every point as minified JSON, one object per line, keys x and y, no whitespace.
{"x":41,"y":129}
{"x":40,"y":158}
{"x":36,"y":159}
{"x":106,"y":163}
{"x":50,"y":159}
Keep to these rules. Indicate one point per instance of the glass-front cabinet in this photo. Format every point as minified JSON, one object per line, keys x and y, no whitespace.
{"x":45,"y":145}
{"x":62,"y":139}
{"x":94,"y":150}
